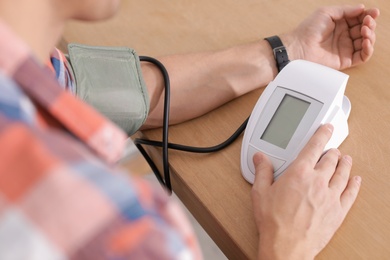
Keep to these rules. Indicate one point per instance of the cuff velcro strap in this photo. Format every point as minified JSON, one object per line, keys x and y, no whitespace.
{"x":110,"y":79}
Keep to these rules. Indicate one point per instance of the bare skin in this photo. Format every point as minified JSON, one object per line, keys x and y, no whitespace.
{"x":301,"y":211}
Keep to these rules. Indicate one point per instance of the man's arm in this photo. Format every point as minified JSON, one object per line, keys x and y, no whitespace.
{"x":200,"y":82}
{"x":339,"y":37}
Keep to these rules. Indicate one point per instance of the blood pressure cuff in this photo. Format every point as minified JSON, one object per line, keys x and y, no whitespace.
{"x":110,"y":79}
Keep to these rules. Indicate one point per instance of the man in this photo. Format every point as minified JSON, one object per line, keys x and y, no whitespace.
{"x":59,"y":196}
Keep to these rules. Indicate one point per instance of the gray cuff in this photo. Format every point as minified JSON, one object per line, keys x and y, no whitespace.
{"x":110,"y":79}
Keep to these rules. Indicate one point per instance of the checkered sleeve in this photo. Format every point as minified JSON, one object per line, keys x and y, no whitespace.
{"x":57,"y":201}
{"x":61,"y":197}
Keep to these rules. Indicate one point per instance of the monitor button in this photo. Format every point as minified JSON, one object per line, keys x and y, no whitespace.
{"x":277,"y":163}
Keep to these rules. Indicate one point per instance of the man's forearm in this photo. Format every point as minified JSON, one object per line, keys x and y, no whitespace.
{"x":207,"y":80}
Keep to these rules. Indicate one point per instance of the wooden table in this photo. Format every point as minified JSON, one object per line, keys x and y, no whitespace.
{"x":211,"y":185}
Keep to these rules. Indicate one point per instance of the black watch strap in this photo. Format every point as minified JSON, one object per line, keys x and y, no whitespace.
{"x":280,"y":52}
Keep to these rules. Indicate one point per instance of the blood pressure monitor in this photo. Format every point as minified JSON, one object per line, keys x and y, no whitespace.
{"x":303,"y":96}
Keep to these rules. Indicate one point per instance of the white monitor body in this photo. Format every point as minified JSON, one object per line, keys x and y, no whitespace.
{"x":302,"y":97}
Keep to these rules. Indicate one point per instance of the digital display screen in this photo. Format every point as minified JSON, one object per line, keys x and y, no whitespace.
{"x":285,"y":121}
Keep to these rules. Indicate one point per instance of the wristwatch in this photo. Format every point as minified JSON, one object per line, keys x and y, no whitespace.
{"x":280,"y":52}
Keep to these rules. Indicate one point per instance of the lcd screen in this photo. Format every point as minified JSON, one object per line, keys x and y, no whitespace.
{"x":285,"y":121}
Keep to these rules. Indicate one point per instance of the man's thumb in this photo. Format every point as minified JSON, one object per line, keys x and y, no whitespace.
{"x":264,"y":170}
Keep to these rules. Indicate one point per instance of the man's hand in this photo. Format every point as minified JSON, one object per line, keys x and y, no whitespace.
{"x":298,"y":214}
{"x":337,"y":36}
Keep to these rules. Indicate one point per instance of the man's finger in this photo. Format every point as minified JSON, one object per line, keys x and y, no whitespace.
{"x":264,"y":176}
{"x":340,"y":178}
{"x":350,"y":193}
{"x":313,"y":150}
{"x":328,"y":163}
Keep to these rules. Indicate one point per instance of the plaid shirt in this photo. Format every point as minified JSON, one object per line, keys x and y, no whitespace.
{"x":60,"y":195}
